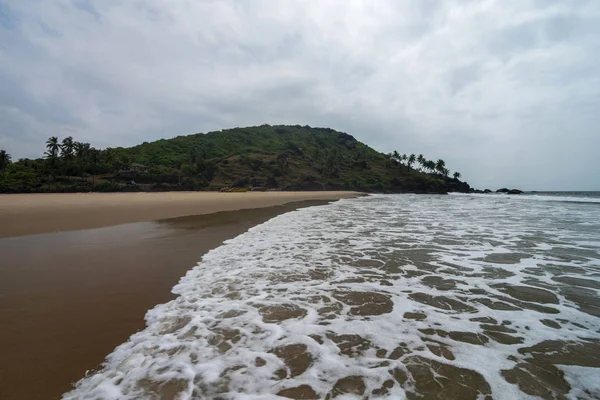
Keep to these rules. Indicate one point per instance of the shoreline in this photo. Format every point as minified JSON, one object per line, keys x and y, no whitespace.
{"x":69,"y":298}
{"x":32,"y":214}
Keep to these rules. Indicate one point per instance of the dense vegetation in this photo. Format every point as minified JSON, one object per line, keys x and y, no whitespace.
{"x":265,"y":157}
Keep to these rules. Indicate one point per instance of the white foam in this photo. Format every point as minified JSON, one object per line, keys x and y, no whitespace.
{"x":585,"y":381}
{"x":373,"y":244}
{"x":534,"y":197}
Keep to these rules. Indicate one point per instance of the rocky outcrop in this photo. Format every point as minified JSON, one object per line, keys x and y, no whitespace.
{"x":454,"y":185}
{"x":487,"y":191}
{"x":509,"y":191}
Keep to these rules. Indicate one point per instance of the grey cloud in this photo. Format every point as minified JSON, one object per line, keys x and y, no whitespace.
{"x":499,"y":89}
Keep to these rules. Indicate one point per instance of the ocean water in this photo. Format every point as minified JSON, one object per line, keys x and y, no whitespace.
{"x":385,"y":296}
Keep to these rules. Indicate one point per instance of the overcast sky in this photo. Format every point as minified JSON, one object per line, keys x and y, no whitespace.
{"x":506,"y":91}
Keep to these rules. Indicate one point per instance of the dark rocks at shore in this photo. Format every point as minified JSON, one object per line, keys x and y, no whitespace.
{"x":503,"y":190}
{"x":509,"y":191}
{"x":454,"y":185}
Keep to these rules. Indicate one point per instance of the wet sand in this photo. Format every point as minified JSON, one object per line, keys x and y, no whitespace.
{"x":29,"y":214}
{"x":68,"y":299}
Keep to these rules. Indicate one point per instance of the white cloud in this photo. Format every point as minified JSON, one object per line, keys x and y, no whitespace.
{"x":500,"y":89}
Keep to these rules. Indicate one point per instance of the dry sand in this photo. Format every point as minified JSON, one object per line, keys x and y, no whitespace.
{"x":28,"y":214}
{"x":68,"y":298}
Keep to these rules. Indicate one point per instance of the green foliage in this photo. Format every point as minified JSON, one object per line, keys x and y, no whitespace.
{"x":5,"y":160}
{"x":287,"y":157}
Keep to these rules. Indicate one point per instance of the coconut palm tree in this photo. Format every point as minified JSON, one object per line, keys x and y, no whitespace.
{"x":66,"y":149}
{"x":53,"y":147}
{"x":440,"y":165}
{"x":81,"y":152}
{"x":456,"y":175}
{"x":81,"y":149}
{"x":430,"y":166}
{"x":5,"y":159}
{"x":411,"y":160}
{"x":421,"y":160}
{"x":445,"y":171}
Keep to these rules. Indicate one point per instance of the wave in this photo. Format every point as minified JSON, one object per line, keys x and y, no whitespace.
{"x":533,"y":197}
{"x":377,"y":297}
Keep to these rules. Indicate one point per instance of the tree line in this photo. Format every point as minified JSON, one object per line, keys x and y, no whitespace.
{"x":67,"y":160}
{"x":423,"y":165}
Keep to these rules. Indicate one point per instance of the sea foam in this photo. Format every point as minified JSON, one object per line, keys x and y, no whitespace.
{"x":382,"y":297}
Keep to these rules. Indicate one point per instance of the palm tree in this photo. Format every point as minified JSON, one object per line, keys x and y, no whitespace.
{"x":456,"y":175}
{"x":81,"y":149}
{"x":440,"y":165}
{"x":67,"y":148}
{"x":421,"y":160}
{"x":5,"y":159}
{"x":81,"y":152}
{"x":411,"y":160}
{"x":53,"y":147}
{"x":430,"y":166}
{"x":445,"y":171}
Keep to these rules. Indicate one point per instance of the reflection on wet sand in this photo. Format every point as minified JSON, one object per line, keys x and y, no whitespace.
{"x":67,"y":299}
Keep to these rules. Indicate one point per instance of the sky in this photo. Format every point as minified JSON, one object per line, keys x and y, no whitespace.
{"x":505,"y":91}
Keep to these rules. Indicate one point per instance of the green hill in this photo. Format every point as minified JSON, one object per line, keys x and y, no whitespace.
{"x":262,"y":157}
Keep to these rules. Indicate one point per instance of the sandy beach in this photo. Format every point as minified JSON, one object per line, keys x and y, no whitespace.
{"x":29,"y":214}
{"x":67,"y":299}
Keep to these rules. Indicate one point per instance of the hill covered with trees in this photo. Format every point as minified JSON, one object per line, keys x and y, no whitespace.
{"x":258,"y":158}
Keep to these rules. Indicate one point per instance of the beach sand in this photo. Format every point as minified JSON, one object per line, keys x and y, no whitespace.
{"x":67,"y":299}
{"x":29,"y":214}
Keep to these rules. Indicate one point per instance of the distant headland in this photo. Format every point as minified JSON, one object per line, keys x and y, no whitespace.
{"x":280,"y":157}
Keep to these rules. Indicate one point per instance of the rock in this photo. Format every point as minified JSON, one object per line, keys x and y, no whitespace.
{"x":503,"y":190}
{"x":487,"y":191}
{"x":514,"y":191}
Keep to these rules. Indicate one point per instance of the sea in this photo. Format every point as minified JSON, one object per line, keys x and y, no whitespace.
{"x":460,"y":296}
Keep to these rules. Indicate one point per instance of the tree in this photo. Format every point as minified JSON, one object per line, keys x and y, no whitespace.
{"x":456,"y":175}
{"x":440,"y":165}
{"x":5,"y":160}
{"x":53,"y":147}
{"x":411,"y":160}
{"x":66,"y":149}
{"x":283,"y":160}
{"x":421,"y":160}
{"x":81,"y":152}
{"x":125,"y":163}
{"x":430,"y":166}
{"x":94,"y":157}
